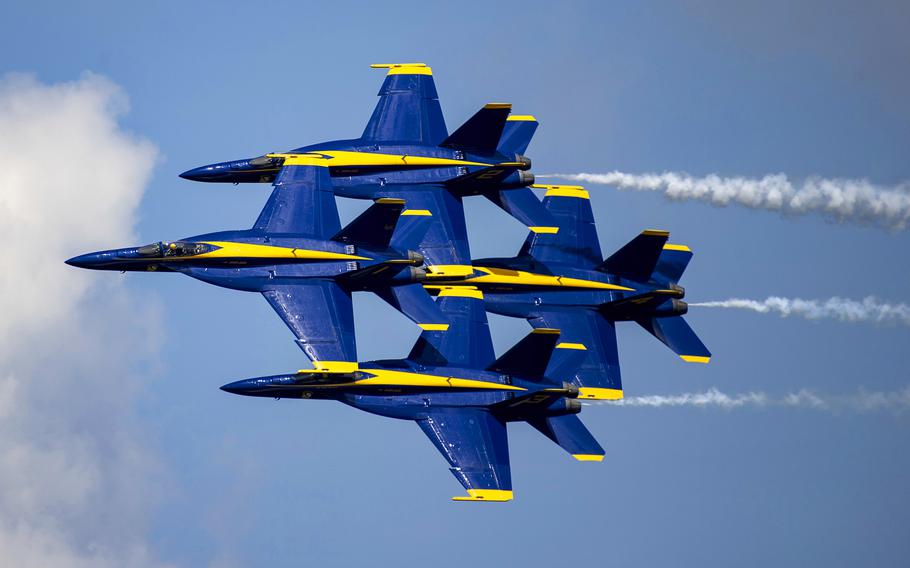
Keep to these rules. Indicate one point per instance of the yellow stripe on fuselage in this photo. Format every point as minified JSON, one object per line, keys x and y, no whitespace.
{"x":342,"y":158}
{"x":499,"y":276}
{"x":390,"y":378}
{"x":228,"y":250}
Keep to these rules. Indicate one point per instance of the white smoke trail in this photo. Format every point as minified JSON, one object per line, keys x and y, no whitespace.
{"x":854,"y":200}
{"x":862,"y":401}
{"x":868,"y":310}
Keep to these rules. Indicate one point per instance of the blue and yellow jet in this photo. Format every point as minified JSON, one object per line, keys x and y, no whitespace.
{"x":560,"y":280}
{"x":303,"y":262}
{"x":405,"y":152}
{"x":459,"y":393}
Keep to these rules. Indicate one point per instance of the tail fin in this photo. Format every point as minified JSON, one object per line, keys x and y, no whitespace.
{"x":375,"y":226}
{"x":671,"y":264}
{"x":529,"y":357}
{"x":517,"y":134}
{"x":586,"y":355}
{"x":466,"y":342}
{"x":571,"y":435}
{"x":676,"y":334}
{"x":638,"y":258}
{"x":574,"y":239}
{"x":482,"y":132}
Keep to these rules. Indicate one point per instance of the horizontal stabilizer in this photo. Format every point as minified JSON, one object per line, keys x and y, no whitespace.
{"x":638,"y":258}
{"x":522,"y":204}
{"x":374,"y":227}
{"x":517,"y":134}
{"x":481,"y":133}
{"x":416,"y":303}
{"x":571,"y":435}
{"x":529,"y":357}
{"x":676,"y":334}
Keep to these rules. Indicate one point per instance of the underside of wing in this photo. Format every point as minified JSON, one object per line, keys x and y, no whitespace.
{"x":302,"y":202}
{"x":476,"y":445}
{"x":408,"y":110}
{"x":321,"y":315}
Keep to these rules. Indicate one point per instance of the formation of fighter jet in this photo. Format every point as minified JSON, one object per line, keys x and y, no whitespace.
{"x":410,"y":246}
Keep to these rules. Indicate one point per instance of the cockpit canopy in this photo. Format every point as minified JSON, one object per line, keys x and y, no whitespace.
{"x":165,"y":249}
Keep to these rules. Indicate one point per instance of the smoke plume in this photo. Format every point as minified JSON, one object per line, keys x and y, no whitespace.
{"x":868,"y":310}
{"x":862,"y":401}
{"x":843,"y":200}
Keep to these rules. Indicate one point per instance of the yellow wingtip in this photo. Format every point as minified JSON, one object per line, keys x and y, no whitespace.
{"x":434,"y":326}
{"x":544,"y":230}
{"x":694,"y":358}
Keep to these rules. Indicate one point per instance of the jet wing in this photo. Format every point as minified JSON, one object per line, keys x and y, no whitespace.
{"x":302,"y":202}
{"x":476,"y":445}
{"x":408,"y":110}
{"x":321,"y":315}
{"x":586,"y":354}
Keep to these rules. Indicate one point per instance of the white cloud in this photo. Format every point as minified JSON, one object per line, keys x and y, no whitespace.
{"x":75,"y":471}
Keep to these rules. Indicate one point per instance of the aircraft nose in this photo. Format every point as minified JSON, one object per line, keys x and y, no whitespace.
{"x":239,"y":387}
{"x":90,"y":260}
{"x":202,"y":173}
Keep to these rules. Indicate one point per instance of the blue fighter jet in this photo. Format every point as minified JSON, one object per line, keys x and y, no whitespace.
{"x":459,"y":394}
{"x":405,"y":152}
{"x":560,"y":280}
{"x":303,"y":262}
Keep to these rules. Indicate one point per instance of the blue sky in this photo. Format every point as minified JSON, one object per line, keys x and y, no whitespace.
{"x":705,"y":87}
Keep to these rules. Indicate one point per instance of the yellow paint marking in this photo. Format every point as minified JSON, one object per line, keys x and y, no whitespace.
{"x":577,"y":346}
{"x":521,"y":117}
{"x":544,"y":230}
{"x":390,"y":201}
{"x":493,"y":495}
{"x":677,"y":247}
{"x":416,"y":212}
{"x":404,"y":68}
{"x":578,"y":193}
{"x":390,"y":378}
{"x":498,"y":106}
{"x":248,"y":250}
{"x":546,"y":330}
{"x":461,"y":292}
{"x":440,"y":270}
{"x":332,"y":367}
{"x":588,"y":457}
{"x":552,"y":186}
{"x":599,"y":393}
{"x":655,"y":233}
{"x":434,"y":326}
{"x":342,"y":158}
{"x":694,"y":359}
{"x":520,"y":278}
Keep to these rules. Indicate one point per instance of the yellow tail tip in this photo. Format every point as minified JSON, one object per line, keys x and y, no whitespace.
{"x":694,"y":358}
{"x":492,"y":495}
{"x":588,"y":457}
